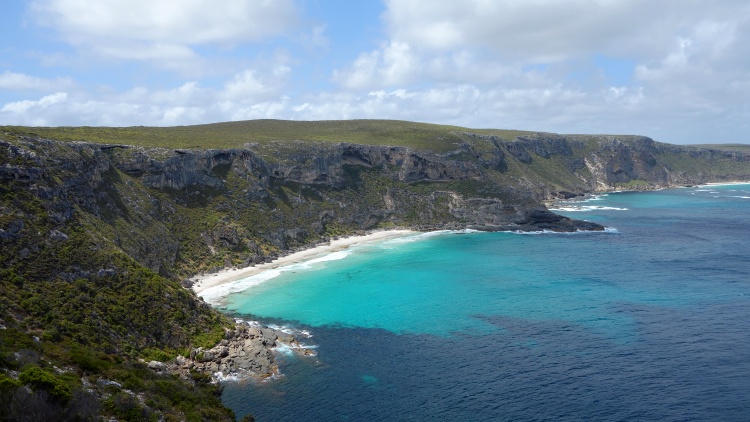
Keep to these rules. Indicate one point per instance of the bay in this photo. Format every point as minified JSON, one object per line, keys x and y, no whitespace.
{"x":646,"y":321}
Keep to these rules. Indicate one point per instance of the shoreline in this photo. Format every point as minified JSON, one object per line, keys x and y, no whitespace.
{"x":550,"y":202}
{"x":202,"y":283}
{"x":723,"y":184}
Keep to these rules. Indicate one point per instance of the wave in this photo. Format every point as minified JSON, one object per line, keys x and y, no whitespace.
{"x":596,"y":197}
{"x":587,"y":208}
{"x":606,"y":230}
{"x":333,"y":256}
{"x":215,"y":294}
{"x":290,"y":330}
{"x":293,"y":349}
{"x":219,"y":377}
{"x":426,"y":235}
{"x":723,"y":184}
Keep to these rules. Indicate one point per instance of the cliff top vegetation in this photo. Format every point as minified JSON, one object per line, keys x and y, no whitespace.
{"x":439,"y":138}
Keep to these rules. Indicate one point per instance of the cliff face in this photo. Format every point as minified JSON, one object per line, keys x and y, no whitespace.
{"x":181,"y":211}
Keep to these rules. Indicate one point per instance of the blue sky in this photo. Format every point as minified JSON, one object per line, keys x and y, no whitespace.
{"x":678,"y":71}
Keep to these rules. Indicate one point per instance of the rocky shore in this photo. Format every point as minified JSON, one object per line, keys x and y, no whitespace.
{"x":246,"y":352}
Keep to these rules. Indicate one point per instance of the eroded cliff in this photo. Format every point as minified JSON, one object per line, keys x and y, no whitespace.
{"x":182,"y":211}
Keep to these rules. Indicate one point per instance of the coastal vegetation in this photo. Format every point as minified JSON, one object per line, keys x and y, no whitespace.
{"x":101,"y":228}
{"x":440,"y":138}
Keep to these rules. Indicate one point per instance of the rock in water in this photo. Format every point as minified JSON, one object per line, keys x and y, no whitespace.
{"x":246,"y":353}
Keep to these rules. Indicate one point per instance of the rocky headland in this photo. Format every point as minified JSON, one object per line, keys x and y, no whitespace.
{"x":246,"y":352}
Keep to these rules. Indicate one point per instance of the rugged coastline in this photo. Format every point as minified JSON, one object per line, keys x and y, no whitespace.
{"x":98,"y":238}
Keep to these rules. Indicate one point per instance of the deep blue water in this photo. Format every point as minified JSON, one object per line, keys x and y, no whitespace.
{"x":650,"y":321}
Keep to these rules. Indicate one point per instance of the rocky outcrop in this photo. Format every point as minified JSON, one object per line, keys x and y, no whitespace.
{"x":493,"y":215}
{"x":246,"y":352}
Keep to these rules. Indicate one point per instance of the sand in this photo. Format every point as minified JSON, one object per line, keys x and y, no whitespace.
{"x":204,"y":282}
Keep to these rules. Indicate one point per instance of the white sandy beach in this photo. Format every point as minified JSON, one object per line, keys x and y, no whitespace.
{"x":209,"y":281}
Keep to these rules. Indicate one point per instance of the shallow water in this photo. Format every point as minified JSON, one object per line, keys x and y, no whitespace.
{"x":647,"y":321}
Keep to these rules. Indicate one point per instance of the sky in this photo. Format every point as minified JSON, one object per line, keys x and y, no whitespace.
{"x":675,"y":70}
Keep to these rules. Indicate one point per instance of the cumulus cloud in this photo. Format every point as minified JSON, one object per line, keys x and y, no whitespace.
{"x":248,"y":94}
{"x":523,"y":61}
{"x":249,"y":86}
{"x":162,"y":29}
{"x":682,"y":67}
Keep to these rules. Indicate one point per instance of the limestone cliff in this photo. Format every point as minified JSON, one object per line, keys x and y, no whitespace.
{"x":182,"y":211}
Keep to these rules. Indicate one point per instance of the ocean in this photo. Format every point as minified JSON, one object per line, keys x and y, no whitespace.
{"x":649,"y":320}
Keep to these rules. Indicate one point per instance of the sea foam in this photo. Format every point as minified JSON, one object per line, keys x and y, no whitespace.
{"x":586,"y":208}
{"x":425,"y":235}
{"x":215,"y":295}
{"x":537,"y":232}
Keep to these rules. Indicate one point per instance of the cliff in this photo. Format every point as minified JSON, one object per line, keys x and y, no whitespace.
{"x":96,"y":236}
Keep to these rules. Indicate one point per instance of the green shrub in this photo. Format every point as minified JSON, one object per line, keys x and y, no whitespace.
{"x":157,"y":354}
{"x":8,"y":384}
{"x":39,"y":379}
{"x":90,"y":360}
{"x":209,"y":339}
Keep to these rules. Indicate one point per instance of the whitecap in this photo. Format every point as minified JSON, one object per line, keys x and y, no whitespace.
{"x":293,"y":349}
{"x":333,"y":256}
{"x":587,"y":208}
{"x":423,"y":236}
{"x":290,"y":330}
{"x":596,"y":197}
{"x":250,"y":323}
{"x":283,"y":348}
{"x":231,"y":377}
{"x":537,"y":232}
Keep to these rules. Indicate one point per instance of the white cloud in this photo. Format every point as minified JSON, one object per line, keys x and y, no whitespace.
{"x":680,"y":61}
{"x":32,"y":112}
{"x":19,"y":81}
{"x":162,"y":29}
{"x":554,"y":30}
{"x":248,"y":94}
{"x":249,"y":86}
{"x":684,"y":66}
{"x":391,"y":65}
{"x":535,"y":30}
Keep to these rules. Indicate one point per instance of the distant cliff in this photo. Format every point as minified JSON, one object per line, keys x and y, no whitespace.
{"x":96,"y":237}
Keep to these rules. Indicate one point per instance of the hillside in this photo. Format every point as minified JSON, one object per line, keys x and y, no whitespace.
{"x":101,"y":226}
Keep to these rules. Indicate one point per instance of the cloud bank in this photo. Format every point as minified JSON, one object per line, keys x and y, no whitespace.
{"x":678,"y":71}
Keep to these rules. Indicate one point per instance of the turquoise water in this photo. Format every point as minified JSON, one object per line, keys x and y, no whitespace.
{"x":439,"y":284}
{"x":623,"y":311}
